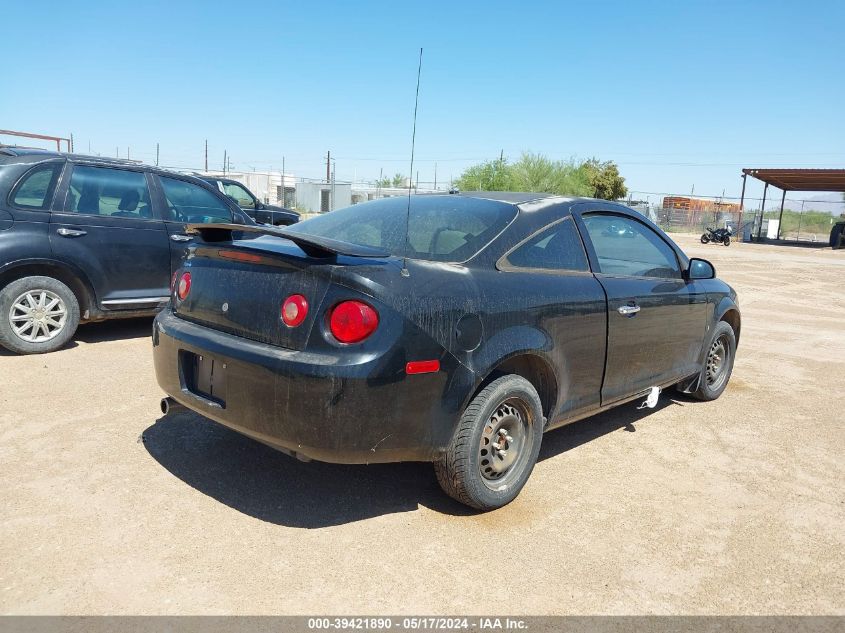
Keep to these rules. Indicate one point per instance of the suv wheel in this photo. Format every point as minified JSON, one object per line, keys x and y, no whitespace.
{"x":495,"y":446}
{"x":37,"y":315}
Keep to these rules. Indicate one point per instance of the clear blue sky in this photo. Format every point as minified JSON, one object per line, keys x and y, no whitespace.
{"x":678,"y":93}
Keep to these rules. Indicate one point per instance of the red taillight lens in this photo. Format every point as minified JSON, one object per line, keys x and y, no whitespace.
{"x":294,"y":310}
{"x":353,"y":321}
{"x":184,"y":286}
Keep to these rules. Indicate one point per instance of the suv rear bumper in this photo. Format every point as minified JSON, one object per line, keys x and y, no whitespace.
{"x":311,"y":405}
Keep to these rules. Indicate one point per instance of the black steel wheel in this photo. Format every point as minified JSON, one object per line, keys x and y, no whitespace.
{"x":704,"y":238}
{"x":495,"y":446}
{"x":718,"y":363}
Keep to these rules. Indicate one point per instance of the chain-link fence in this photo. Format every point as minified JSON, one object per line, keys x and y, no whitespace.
{"x":802,"y":220}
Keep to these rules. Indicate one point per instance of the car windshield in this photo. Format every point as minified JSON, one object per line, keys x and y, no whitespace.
{"x":441,"y":228}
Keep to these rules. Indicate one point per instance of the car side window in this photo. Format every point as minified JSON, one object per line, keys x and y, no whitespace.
{"x":35,"y":190}
{"x":624,"y":246}
{"x":557,"y":247}
{"x":239,"y":194}
{"x":187,"y":202}
{"x":117,"y":193}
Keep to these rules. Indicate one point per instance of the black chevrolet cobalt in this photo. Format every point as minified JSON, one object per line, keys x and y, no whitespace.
{"x":457,"y":330}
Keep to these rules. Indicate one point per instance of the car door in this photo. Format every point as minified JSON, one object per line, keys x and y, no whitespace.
{"x":656,"y":319}
{"x":550,"y":271}
{"x":247,"y":202}
{"x":105,"y":226}
{"x":185,"y":202}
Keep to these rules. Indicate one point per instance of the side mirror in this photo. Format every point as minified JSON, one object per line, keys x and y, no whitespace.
{"x":700,"y":269}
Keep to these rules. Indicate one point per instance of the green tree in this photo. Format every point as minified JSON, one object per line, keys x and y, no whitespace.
{"x":492,"y":175}
{"x":532,"y":172}
{"x":398,"y":180}
{"x":535,"y":172}
{"x":604,"y":179}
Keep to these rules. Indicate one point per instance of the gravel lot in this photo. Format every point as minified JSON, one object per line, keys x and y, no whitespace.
{"x":730,"y":507}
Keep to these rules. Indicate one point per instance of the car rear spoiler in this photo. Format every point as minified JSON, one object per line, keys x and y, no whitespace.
{"x":312,"y":245}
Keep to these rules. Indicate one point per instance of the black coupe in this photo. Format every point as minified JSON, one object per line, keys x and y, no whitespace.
{"x":456,"y":330}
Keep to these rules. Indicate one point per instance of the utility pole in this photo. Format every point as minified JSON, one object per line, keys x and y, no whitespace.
{"x":127,"y":153}
{"x":331,"y":202}
{"x":156,"y":154}
{"x":417,"y":186}
{"x":435,"y":176}
{"x":117,"y":152}
{"x":206,"y":154}
{"x":328,"y":166}
{"x":71,"y":143}
{"x":224,"y":162}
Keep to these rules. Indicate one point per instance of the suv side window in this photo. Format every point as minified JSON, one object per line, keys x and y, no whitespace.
{"x":557,"y":247}
{"x":35,"y":190}
{"x":187,"y":202}
{"x":116,"y":193}
{"x":242,"y":198}
{"x":626,"y":247}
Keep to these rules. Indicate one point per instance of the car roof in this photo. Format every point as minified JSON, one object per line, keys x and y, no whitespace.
{"x":13,"y":151}
{"x":513,"y":197}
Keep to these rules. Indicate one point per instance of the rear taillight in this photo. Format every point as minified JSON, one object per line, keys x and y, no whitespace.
{"x":352,"y":321}
{"x":184,"y":286}
{"x":294,"y":310}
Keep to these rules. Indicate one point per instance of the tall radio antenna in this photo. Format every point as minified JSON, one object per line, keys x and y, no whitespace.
{"x":405,"y":272}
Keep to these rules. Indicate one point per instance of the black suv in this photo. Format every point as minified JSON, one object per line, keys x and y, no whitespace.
{"x":85,"y":238}
{"x":249,"y":203}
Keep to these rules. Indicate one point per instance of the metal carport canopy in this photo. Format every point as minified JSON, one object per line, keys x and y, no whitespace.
{"x":792,"y":180}
{"x":801,"y":179}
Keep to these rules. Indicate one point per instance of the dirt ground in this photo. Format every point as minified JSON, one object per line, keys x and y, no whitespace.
{"x":730,"y":507}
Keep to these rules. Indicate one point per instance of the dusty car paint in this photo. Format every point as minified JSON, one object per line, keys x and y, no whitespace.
{"x":307,"y":394}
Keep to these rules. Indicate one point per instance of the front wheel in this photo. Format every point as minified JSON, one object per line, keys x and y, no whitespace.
{"x":718,"y":364}
{"x":726,"y":241}
{"x":37,"y":315}
{"x":704,"y":238}
{"x":495,"y":446}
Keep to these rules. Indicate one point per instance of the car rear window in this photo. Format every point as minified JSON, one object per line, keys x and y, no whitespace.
{"x":440,"y":228}
{"x":35,"y":189}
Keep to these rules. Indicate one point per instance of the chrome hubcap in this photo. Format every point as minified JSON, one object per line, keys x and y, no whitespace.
{"x":502,"y":441}
{"x":38,"y":316}
{"x":717,"y":362}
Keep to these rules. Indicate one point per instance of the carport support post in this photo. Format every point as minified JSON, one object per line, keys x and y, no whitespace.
{"x":762,"y":211}
{"x":780,"y":219}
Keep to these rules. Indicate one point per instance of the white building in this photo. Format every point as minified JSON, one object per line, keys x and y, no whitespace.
{"x":321,"y":197}
{"x":272,"y":187}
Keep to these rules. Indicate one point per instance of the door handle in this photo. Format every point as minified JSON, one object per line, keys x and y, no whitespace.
{"x":629,"y":310}
{"x":71,"y":232}
{"x":181,"y":238}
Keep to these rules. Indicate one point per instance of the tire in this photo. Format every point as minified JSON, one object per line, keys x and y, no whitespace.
{"x":48,"y":332}
{"x":726,"y":241}
{"x":704,"y":238}
{"x":469,"y":471}
{"x":710,"y":385}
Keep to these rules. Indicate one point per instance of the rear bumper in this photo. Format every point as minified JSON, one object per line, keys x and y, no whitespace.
{"x":318,"y":406}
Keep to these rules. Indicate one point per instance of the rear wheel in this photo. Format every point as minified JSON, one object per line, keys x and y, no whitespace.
{"x":704,"y":238}
{"x":495,"y":446}
{"x":718,"y":364}
{"x":37,"y":315}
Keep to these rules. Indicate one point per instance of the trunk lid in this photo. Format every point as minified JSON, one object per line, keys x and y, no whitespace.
{"x":239,"y":286}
